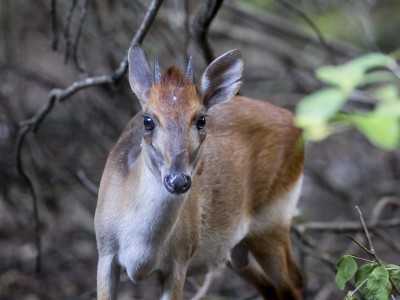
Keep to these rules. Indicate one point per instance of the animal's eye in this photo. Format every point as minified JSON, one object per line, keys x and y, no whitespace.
{"x":201,"y":123}
{"x":148,"y":123}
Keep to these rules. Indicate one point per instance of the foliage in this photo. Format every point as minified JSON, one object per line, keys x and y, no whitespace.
{"x":321,"y":113}
{"x":372,"y":279}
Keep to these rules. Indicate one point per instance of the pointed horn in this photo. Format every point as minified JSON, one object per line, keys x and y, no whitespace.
{"x":189,"y":70}
{"x":156,"y":71}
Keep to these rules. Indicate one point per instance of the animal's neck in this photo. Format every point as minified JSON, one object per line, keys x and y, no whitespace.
{"x":159,"y":210}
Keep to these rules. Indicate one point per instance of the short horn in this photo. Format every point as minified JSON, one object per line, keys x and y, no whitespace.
{"x":156,"y":71}
{"x":189,"y":70}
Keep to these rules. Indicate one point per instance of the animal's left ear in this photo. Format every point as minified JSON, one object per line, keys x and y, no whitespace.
{"x":140,"y":75}
{"x":222,"y":79}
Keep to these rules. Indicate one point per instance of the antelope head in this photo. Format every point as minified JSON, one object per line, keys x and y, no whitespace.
{"x":175,"y":111}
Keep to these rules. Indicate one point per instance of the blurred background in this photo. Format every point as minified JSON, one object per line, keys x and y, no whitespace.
{"x":48,"y":44}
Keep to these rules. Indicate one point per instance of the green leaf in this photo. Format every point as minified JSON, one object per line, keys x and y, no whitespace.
{"x":351,"y":74}
{"x":378,"y":77}
{"x":380,"y":127}
{"x":347,"y":267}
{"x":371,"y":60}
{"x":319,"y":106}
{"x":394,"y":272}
{"x":378,"y":281}
{"x":361,"y":277}
{"x":387,"y":93}
{"x":347,"y":77}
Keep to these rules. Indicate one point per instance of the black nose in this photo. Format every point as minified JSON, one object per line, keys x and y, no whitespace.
{"x":177,"y":183}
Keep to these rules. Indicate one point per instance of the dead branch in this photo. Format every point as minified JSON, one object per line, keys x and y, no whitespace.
{"x":53,"y":25}
{"x":340,"y":227}
{"x":67,"y":30}
{"x":308,"y":247}
{"x":87,"y":183}
{"x":202,"y":291}
{"x":283,"y":28}
{"x":186,"y":28}
{"x":78,"y":35}
{"x":312,"y":25}
{"x":59,"y":95}
{"x":201,"y":24}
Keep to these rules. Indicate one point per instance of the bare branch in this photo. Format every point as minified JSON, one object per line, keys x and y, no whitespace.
{"x":388,"y":239}
{"x":78,"y":35}
{"x":312,"y":25}
{"x":371,"y":247}
{"x":59,"y":95}
{"x":54,"y":24}
{"x":87,"y":182}
{"x":35,"y":212}
{"x":340,"y":227}
{"x":67,"y":29}
{"x":202,"y":291}
{"x":307,"y":247}
{"x":186,"y":27}
{"x":282,"y":28}
{"x":361,"y":246}
{"x":200,"y":25}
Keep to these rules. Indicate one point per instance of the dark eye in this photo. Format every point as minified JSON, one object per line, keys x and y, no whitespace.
{"x":201,"y":123}
{"x":148,"y":123}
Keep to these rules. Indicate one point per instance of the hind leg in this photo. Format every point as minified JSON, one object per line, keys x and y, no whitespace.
{"x":272,"y":250}
{"x":243,"y":263}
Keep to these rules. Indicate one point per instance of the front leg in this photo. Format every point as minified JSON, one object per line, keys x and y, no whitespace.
{"x":173,"y":282}
{"x":107,"y":278}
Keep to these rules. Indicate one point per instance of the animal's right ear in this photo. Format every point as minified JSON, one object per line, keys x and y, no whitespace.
{"x":140,"y":75}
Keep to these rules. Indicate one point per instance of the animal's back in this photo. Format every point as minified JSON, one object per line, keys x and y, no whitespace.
{"x":251,"y":169}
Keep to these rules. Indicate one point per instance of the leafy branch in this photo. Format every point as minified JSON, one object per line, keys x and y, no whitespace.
{"x":372,"y":80}
{"x":374,"y":279}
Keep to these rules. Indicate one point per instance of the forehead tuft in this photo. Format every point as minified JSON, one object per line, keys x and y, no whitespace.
{"x":174,"y":77}
{"x":174,"y":93}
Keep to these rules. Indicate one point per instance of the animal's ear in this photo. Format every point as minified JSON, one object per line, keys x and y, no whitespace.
{"x":222,"y":79}
{"x":140,"y":75}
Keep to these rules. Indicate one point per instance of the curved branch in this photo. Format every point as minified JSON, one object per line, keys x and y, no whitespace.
{"x":312,"y":25}
{"x":59,"y":95}
{"x":200,"y":25}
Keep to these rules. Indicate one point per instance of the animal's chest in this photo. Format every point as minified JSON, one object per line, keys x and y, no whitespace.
{"x":140,"y":258}
{"x":144,"y":234}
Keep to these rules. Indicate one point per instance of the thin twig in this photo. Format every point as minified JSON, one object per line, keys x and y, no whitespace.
{"x":59,"y":95}
{"x":67,"y":30}
{"x":54,"y":24}
{"x":307,"y":247}
{"x":388,"y":239}
{"x":78,"y":35}
{"x":340,"y":227}
{"x":371,"y":247}
{"x":87,"y":182}
{"x":201,"y":24}
{"x":285,"y":29}
{"x":361,"y":246}
{"x":186,"y":28}
{"x":202,"y":291}
{"x":312,"y":25}
{"x":35,"y":212}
